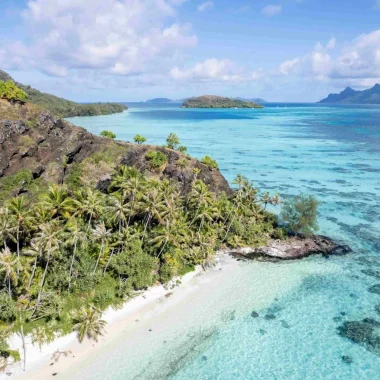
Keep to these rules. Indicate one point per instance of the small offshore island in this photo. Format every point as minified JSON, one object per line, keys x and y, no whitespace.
{"x":86,"y":222}
{"x":213,"y":101}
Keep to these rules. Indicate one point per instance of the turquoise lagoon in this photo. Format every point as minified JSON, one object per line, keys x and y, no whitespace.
{"x":332,"y":152}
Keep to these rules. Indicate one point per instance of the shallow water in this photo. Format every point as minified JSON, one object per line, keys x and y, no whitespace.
{"x":332,"y":152}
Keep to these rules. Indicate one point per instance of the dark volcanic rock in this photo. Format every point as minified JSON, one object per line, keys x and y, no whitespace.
{"x":136,"y":156}
{"x":254,"y":314}
{"x":296,"y":247}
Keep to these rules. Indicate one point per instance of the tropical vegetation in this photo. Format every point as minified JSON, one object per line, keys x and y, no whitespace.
{"x":9,"y":91}
{"x":108,"y":134}
{"x":138,"y":139}
{"x":71,"y":253}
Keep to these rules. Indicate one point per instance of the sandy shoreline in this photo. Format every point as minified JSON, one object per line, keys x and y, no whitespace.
{"x":148,"y":320}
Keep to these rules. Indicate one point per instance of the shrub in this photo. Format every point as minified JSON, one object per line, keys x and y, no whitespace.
{"x":156,"y":158}
{"x":300,"y":214}
{"x":108,"y":134}
{"x":182,"y":162}
{"x":182,"y":149}
{"x":139,"y":139}
{"x":207,"y":160}
{"x":9,"y":91}
{"x":173,"y":141}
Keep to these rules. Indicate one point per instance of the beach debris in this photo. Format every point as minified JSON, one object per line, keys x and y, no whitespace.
{"x":57,"y":355}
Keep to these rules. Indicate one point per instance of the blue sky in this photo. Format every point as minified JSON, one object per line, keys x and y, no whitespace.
{"x":124,"y":50}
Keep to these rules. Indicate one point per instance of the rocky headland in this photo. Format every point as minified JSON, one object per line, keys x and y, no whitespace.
{"x":213,"y":101}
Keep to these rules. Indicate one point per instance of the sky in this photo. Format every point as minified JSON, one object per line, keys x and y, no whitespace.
{"x":133,"y":50}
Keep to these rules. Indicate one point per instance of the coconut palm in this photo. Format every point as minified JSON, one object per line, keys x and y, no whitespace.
{"x":152,"y":205}
{"x":6,"y":226}
{"x":88,"y":323}
{"x":76,"y":236}
{"x":101,"y":234}
{"x":118,"y":210}
{"x":21,"y":218}
{"x":48,"y":238}
{"x":89,"y":203}
{"x":58,"y":202}
{"x":9,"y":264}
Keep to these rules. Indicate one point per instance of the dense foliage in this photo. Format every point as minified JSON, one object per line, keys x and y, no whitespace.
{"x":9,"y":91}
{"x":62,"y":107}
{"x":211,"y":163}
{"x":69,"y":255}
{"x":300,"y":213}
{"x":108,"y":134}
{"x":211,"y":101}
{"x":138,"y":139}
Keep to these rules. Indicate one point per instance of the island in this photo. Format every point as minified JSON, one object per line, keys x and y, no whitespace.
{"x":163,"y":100}
{"x":213,"y":101}
{"x":350,"y":96}
{"x":62,"y":107}
{"x":87,"y":221}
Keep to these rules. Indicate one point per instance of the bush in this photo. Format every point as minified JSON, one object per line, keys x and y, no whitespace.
{"x":207,"y":160}
{"x":108,"y":134}
{"x":9,"y":91}
{"x":173,"y":141}
{"x":300,"y":214}
{"x":182,"y":149}
{"x":156,"y":158}
{"x":139,"y":139}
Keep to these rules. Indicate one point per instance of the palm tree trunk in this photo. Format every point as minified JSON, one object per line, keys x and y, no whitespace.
{"x":229,"y":227}
{"x":89,"y":222}
{"x":162,"y":249}
{"x":109,"y":260}
{"x":23,"y":342}
{"x":9,"y":287}
{"x":72,"y":264}
{"x":100,"y":253}
{"x":42,"y":283}
{"x":146,"y":226}
{"x":18,"y":245}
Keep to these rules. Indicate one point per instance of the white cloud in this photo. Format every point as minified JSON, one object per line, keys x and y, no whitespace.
{"x":358,"y":62}
{"x":271,"y":10}
{"x":124,"y":37}
{"x":205,"y":6}
{"x":213,"y":69}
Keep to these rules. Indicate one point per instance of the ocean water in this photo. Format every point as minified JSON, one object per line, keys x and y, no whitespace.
{"x":332,"y":152}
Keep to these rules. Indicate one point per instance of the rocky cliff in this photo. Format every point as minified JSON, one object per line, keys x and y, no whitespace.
{"x":32,"y":140}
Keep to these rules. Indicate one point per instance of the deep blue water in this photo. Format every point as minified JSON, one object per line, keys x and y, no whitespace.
{"x":332,"y":152}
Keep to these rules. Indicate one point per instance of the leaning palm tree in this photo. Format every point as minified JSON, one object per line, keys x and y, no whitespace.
{"x":9,"y":264}
{"x":118,"y":210}
{"x":48,"y":238}
{"x":100,"y":233}
{"x":21,"y":217}
{"x":88,"y":323}
{"x":75,"y":236}
{"x":6,"y":226}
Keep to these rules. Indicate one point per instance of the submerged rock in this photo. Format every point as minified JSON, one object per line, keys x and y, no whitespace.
{"x":374,"y":289}
{"x":363,"y":332}
{"x":372,"y":273}
{"x":254,"y":314}
{"x":270,"y":317}
{"x":296,"y":247}
{"x":347,"y":359}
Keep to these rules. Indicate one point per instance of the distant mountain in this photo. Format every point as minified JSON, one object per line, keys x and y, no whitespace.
{"x":350,"y":96}
{"x":254,"y":100}
{"x":62,"y":107}
{"x":213,"y":101}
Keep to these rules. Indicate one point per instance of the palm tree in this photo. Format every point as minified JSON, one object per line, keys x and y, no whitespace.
{"x":88,"y":323}
{"x":58,"y":202}
{"x":100,"y":233}
{"x":265,"y":199}
{"x":89,"y":203}
{"x":118,"y":210}
{"x":9,"y":264}
{"x":75,"y":236}
{"x":22,"y":218}
{"x":200,"y":196}
{"x":152,"y":206}
{"x":48,"y":238}
{"x":6,"y":228}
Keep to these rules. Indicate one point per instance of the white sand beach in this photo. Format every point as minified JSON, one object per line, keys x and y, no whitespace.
{"x":161,"y":316}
